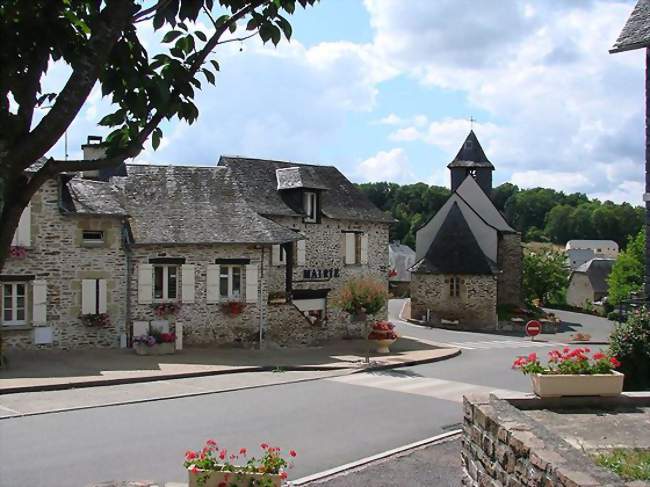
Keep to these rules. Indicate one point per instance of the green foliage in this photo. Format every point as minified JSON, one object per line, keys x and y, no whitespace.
{"x":542,"y":215}
{"x":628,"y":464}
{"x":362,"y":295}
{"x":545,"y":276}
{"x":628,"y":271}
{"x":630,"y":343}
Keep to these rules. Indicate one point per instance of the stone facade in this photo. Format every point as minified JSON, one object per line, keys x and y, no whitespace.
{"x":57,"y":256}
{"x":503,"y":447}
{"x":510,"y":261}
{"x":474,"y":308}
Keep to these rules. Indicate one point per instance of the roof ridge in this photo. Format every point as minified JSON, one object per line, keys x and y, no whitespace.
{"x":226,"y":156}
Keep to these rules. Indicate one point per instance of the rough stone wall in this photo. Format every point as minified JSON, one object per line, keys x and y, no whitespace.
{"x":475,"y":308}
{"x":510,"y":262}
{"x":579,"y":291}
{"x":502,"y":447}
{"x":57,"y":256}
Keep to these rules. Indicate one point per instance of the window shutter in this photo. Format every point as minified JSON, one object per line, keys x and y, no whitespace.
{"x":145,"y":283}
{"x":88,"y":296}
{"x":251,"y":283}
{"x":275,"y":255}
{"x":187,"y":282}
{"x":364,"y":249}
{"x":23,"y":235}
{"x":102,"y":307}
{"x":212,"y":284}
{"x":350,"y":251}
{"x":39,"y":296}
{"x":301,"y":252}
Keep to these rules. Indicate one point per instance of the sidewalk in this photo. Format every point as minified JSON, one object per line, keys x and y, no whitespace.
{"x":54,"y":370}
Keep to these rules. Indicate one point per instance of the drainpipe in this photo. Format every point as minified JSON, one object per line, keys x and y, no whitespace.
{"x":260,"y":296}
{"x":128,"y":257}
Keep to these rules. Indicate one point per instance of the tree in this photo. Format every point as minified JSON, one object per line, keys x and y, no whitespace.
{"x":628,"y":270}
{"x":100,"y":43}
{"x":502,"y":193}
{"x":545,"y":276}
{"x":557,"y":228}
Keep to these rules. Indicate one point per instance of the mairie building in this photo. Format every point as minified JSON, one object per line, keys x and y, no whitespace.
{"x":245,"y":249}
{"x":468,"y":258}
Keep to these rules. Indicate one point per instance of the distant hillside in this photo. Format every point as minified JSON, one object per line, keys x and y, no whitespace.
{"x":540,"y":214}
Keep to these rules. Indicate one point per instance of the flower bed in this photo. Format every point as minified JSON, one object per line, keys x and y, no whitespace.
{"x":155,"y":343}
{"x":572,"y":373}
{"x":213,"y":467}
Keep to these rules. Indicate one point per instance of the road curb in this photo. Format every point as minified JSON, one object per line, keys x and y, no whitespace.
{"x":263,"y":368}
{"x":371,"y":459}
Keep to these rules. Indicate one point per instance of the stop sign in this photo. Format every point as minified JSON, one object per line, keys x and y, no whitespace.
{"x":533,"y":328}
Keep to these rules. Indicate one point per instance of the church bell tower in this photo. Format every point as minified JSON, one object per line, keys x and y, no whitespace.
{"x":471,"y":161}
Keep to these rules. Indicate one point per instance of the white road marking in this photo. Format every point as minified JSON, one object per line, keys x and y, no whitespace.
{"x":422,"y":386}
{"x":12,"y":411}
{"x":490,"y":344}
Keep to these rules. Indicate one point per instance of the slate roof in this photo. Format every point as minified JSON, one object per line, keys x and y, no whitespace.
{"x":298,"y":177}
{"x":258,"y":183}
{"x":455,"y":250}
{"x":471,"y":154}
{"x":89,"y":197}
{"x":191,"y":205}
{"x":636,"y":33}
{"x":597,"y":270}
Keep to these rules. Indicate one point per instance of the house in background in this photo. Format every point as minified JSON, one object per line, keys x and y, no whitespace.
{"x":400,"y":260}
{"x":468,"y":258}
{"x":581,"y":251}
{"x":588,"y":283}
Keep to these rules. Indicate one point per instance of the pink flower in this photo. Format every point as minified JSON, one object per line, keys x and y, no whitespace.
{"x":190,"y":455}
{"x":283,"y":475}
{"x":614,"y":361}
{"x":264,"y":446}
{"x":193,"y":468}
{"x":292,"y":453}
{"x":599,"y":356}
{"x":222,"y":454}
{"x":532,"y":357}
{"x":211,"y":443}
{"x":242,"y":451}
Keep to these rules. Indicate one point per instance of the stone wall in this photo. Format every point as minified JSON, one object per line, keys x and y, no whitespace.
{"x":502,"y":447}
{"x":57,"y":256}
{"x":510,"y":262}
{"x":475,"y":308}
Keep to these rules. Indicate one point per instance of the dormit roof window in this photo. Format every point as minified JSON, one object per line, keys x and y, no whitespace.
{"x":301,"y":189}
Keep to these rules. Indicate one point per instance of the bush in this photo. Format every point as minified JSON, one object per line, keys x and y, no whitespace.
{"x":630,"y":343}
{"x":615,"y":316}
{"x":362,"y":295}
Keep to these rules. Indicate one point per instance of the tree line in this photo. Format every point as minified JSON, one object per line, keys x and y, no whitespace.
{"x":540,"y":214}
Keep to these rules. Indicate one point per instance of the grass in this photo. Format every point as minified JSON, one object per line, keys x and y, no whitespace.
{"x":628,"y":464}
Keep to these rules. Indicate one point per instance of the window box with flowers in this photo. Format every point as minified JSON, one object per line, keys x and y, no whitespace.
{"x":573,"y":373}
{"x":165,"y":310}
{"x":233,"y":308}
{"x":155,"y":343}
{"x":18,"y":252}
{"x":382,"y":335}
{"x":213,"y":467}
{"x":95,"y":320}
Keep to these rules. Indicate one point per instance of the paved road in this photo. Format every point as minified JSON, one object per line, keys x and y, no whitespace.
{"x":330,"y":422}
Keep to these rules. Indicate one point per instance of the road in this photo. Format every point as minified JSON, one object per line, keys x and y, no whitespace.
{"x":330,"y":421}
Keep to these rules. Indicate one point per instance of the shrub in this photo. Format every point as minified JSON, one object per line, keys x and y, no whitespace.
{"x":630,"y":343}
{"x":362,"y":295}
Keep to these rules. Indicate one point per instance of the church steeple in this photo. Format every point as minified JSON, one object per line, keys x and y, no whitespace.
{"x":471,"y":161}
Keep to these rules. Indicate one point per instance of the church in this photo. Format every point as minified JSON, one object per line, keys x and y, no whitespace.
{"x":468,"y":258}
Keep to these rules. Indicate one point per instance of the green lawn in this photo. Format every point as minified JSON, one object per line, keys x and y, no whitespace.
{"x":628,"y":464}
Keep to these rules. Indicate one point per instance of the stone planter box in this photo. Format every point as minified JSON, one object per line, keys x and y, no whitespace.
{"x":157,"y":349}
{"x":381,"y":346}
{"x":233,"y":479}
{"x":557,"y":385}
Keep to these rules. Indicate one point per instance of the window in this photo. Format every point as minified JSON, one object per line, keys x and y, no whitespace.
{"x":454,"y":287}
{"x":230,"y":282}
{"x":92,"y":237}
{"x":310,"y":206}
{"x":165,"y":282}
{"x":356,"y":248}
{"x":14,"y":303}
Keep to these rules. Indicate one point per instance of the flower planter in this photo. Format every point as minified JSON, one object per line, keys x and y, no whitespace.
{"x":381,"y":346}
{"x":157,"y":349}
{"x":232,"y":479}
{"x":557,"y":385}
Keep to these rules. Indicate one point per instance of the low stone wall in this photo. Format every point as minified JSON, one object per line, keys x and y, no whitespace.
{"x":503,"y":447}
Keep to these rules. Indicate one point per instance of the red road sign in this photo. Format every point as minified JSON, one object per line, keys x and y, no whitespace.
{"x":533,"y":328}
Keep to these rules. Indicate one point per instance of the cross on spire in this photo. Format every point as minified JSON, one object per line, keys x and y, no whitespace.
{"x":471,"y":122}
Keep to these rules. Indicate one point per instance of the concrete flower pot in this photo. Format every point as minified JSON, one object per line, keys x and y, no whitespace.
{"x":557,"y":385}
{"x":381,"y":346}
{"x":232,"y":479}
{"x":157,"y":349}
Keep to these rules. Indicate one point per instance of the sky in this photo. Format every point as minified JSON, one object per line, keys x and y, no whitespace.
{"x":384,"y":90}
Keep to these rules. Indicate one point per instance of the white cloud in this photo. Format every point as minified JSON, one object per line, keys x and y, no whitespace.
{"x":561,"y":181}
{"x":392,"y":165}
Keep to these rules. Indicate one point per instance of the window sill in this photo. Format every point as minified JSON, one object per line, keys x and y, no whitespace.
{"x":93,"y":245}
{"x":15,"y":327}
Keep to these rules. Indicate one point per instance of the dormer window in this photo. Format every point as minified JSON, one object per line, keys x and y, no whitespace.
{"x":310,"y":206}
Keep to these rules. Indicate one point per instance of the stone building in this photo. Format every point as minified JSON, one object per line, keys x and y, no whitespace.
{"x":468,"y":258}
{"x":588,"y":283}
{"x":276,"y":238}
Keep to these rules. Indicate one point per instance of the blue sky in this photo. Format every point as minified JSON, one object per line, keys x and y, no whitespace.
{"x":383,"y":89}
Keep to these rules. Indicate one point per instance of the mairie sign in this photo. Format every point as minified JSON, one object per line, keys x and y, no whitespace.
{"x":319,"y":274}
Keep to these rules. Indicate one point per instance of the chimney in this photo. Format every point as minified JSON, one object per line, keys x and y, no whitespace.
{"x":93,"y":149}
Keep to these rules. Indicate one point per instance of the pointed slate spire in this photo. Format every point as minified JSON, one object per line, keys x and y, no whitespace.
{"x":471,"y":154}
